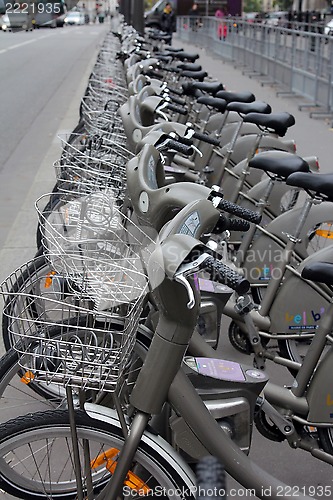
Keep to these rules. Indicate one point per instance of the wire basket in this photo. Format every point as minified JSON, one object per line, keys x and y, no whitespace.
{"x":107,"y":125}
{"x":64,"y":343}
{"x":91,"y":241}
{"x":88,"y":164}
{"x":76,"y":179}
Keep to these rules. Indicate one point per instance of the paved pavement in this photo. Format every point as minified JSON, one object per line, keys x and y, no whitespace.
{"x":314,"y":137}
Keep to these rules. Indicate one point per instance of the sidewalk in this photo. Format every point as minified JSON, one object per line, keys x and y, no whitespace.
{"x":313,"y":137}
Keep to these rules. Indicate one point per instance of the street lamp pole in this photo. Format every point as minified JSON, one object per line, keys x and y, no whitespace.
{"x":125,"y":9}
{"x":138,"y":16}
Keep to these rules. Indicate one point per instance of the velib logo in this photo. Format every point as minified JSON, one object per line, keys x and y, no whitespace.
{"x":305,"y":320}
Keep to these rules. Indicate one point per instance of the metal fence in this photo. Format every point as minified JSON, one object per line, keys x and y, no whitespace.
{"x":299,"y":62}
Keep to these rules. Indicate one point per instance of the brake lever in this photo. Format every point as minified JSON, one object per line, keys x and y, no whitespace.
{"x":186,"y":270}
{"x":181,"y":279}
{"x":193,"y":266}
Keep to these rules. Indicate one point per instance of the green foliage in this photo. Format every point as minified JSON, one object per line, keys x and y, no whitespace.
{"x":252,"y":5}
{"x":149,"y":4}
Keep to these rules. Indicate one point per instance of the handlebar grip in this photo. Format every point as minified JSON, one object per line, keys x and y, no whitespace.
{"x":180,"y":147}
{"x":243,"y":213}
{"x":177,"y":109}
{"x":154,"y":74}
{"x":238,"y":225}
{"x":176,"y":100}
{"x":206,"y":138}
{"x":225,"y":224}
{"x":175,"y":91}
{"x":223,"y":274}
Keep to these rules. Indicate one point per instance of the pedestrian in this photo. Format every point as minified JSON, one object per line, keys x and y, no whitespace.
{"x":168,"y":21}
{"x":222,"y":28}
{"x":193,"y":14}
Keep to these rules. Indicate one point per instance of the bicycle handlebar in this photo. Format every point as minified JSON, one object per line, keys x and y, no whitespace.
{"x":243,"y":213}
{"x":223,"y":274}
{"x":177,"y":100}
{"x":179,"y":147}
{"x":206,"y":138}
{"x":177,"y":109}
{"x":225,"y":224}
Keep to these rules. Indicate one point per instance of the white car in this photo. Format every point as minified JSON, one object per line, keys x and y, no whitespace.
{"x":74,"y":18}
{"x":329,"y":28}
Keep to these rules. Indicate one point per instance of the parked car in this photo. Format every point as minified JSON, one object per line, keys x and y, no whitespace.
{"x":328,"y":30}
{"x":15,"y":21}
{"x":277,"y":18}
{"x":74,"y":18}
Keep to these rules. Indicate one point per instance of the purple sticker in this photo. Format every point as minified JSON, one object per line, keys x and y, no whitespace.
{"x":206,"y":285}
{"x":220,"y":369}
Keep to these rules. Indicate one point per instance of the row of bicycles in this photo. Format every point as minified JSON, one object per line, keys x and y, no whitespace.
{"x":178,"y":207}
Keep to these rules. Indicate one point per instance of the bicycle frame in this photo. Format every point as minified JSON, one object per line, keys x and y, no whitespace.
{"x":161,"y":380}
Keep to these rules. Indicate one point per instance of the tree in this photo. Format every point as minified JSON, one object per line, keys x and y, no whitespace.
{"x":252,"y":5}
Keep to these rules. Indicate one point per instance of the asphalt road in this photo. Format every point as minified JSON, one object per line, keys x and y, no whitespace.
{"x":44,"y":74}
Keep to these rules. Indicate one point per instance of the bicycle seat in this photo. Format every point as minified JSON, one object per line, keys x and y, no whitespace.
{"x":282,"y":164}
{"x":209,"y":87}
{"x":277,"y":122}
{"x":213,"y":102}
{"x":190,"y":90}
{"x":185,"y":56}
{"x":236,"y":96}
{"x":189,"y":67}
{"x":196,"y":75}
{"x":321,"y":184}
{"x":249,"y":107}
{"x":164,"y":57}
{"x":173,"y":49}
{"x":322,"y":272}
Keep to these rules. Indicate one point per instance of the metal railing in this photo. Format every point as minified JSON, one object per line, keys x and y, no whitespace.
{"x":300,"y":62}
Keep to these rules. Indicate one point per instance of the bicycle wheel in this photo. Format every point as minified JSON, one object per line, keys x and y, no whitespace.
{"x":321,"y":236}
{"x":21,"y":394}
{"x":36,"y":459}
{"x":34,"y":279}
{"x":296,"y":349}
{"x":24,"y":279}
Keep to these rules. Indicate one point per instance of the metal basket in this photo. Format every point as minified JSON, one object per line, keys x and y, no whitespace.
{"x":93,"y":148}
{"x":106,"y":124}
{"x":63,"y":343}
{"x":102,"y":251}
{"x":76,"y":179}
{"x":88,"y":164}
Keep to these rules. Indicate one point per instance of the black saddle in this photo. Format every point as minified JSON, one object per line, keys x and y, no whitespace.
{"x":249,"y":107}
{"x":277,"y":122}
{"x":209,"y":87}
{"x":185,"y":56}
{"x":322,"y":272}
{"x":236,"y":96}
{"x":213,"y":102}
{"x":321,"y":184}
{"x":189,"y":67}
{"x":280,"y":163}
{"x":196,"y":75}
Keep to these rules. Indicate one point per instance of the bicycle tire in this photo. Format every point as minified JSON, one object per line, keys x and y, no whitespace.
{"x":16,"y":396}
{"x":33,"y":269}
{"x":43,"y":441}
{"x":51,"y":204}
{"x":20,"y":394}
